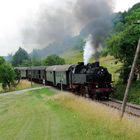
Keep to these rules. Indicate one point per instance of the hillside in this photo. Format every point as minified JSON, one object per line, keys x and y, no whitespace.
{"x":58,"y":48}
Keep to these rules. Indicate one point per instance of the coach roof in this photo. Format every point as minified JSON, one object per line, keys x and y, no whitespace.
{"x":59,"y":68}
{"x":21,"y":68}
{"x":37,"y":68}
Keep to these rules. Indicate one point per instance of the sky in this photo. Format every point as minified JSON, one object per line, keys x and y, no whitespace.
{"x":15,"y":13}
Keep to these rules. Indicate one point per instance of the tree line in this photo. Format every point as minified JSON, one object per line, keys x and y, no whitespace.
{"x":22,"y":58}
{"x":10,"y":78}
{"x":123,"y":40}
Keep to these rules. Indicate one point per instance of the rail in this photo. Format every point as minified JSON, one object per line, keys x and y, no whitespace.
{"x":130,"y":108}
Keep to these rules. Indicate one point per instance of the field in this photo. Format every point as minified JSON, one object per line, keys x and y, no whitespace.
{"x":43,"y":114}
{"x":24,"y":84}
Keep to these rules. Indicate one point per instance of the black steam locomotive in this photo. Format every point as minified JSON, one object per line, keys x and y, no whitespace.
{"x":91,"y":80}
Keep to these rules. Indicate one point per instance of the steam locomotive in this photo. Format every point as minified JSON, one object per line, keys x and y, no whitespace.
{"x":91,"y":80}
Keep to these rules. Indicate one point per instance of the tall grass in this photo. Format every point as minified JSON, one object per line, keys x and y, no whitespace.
{"x":23,"y":84}
{"x":103,"y":118}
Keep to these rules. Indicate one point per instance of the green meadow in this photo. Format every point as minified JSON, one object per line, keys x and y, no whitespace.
{"x":48,"y":115}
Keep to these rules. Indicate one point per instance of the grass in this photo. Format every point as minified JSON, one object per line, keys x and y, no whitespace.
{"x":73,"y":56}
{"x":134,"y":94}
{"x":24,"y":84}
{"x":43,"y":114}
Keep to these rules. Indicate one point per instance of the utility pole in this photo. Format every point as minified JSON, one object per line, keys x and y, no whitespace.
{"x":130,"y":79}
{"x":31,"y":72}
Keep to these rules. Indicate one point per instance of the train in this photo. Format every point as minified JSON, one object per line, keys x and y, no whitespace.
{"x":91,"y":80}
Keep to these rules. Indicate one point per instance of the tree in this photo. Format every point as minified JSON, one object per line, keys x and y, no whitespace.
{"x":2,"y":60}
{"x":7,"y":74}
{"x":32,"y":62}
{"x":36,"y":62}
{"x":124,"y":39}
{"x":54,"y":60}
{"x":20,"y":56}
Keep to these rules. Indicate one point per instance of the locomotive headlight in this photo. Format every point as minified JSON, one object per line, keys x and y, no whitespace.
{"x":97,"y":86}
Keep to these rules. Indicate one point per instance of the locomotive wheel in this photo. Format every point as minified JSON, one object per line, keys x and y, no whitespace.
{"x":97,"y":96}
{"x":77,"y":90}
{"x":92,"y":97}
{"x":82,"y":91}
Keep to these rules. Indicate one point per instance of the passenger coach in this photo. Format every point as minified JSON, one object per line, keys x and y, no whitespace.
{"x":59,"y":75}
{"x":38,"y":74}
{"x":23,"y":71}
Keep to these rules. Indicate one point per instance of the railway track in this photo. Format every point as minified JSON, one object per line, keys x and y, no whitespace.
{"x":130,"y":108}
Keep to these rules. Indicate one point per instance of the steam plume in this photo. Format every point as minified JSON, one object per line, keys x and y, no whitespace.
{"x":95,"y":19}
{"x":88,"y":50}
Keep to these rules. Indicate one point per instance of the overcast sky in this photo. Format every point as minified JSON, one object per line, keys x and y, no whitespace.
{"x":14,"y":13}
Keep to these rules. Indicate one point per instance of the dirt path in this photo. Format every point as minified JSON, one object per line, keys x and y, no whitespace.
{"x":21,"y":91}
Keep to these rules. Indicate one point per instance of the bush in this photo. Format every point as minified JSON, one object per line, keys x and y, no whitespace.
{"x":54,"y":60}
{"x":8,"y":76}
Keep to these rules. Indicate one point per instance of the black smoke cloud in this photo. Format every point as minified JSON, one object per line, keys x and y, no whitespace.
{"x":55,"y":24}
{"x":95,"y":19}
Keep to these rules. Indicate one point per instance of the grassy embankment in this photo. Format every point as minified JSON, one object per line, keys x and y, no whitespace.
{"x":109,"y":62}
{"x":42,"y":114}
{"x":24,"y":84}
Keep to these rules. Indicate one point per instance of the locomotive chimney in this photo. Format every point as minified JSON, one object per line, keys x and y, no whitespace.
{"x":97,"y":64}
